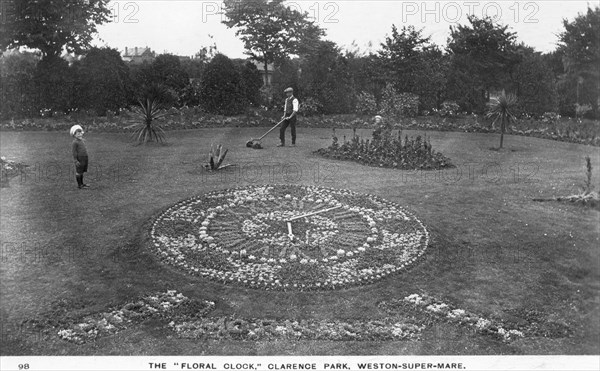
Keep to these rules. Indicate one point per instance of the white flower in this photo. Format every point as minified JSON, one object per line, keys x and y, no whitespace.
{"x":281,"y":329}
{"x":304,"y":261}
{"x":482,"y":323}
{"x":515,"y":333}
{"x":456,"y":313}
{"x":414,"y":298}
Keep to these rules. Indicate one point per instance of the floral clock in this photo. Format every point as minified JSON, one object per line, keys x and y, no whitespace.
{"x":283,"y":237}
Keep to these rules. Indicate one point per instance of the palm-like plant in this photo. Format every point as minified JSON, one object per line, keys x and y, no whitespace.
{"x":216,"y":158}
{"x":502,"y":108}
{"x":148,"y":110}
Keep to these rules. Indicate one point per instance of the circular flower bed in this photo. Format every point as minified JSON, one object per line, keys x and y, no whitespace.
{"x":282,"y":237}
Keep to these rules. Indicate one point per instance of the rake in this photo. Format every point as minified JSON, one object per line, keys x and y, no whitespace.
{"x":255,"y":142}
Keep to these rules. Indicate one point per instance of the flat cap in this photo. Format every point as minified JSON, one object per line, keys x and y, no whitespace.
{"x":288,"y":90}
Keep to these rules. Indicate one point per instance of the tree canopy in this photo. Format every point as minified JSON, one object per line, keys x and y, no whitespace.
{"x":52,"y":26}
{"x":482,"y":54}
{"x":412,"y":63}
{"x":269,"y":29}
{"x":579,"y":46}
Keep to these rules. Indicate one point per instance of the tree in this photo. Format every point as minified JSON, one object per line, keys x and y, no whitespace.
{"x":164,"y":80}
{"x":52,"y":26}
{"x":482,"y":55}
{"x":54,"y":83}
{"x":166,"y":69}
{"x":362,"y":69}
{"x":400,"y":55}
{"x":102,"y":81}
{"x":502,"y":108}
{"x":579,"y":45}
{"x":327,"y":78}
{"x":412,"y":64}
{"x":534,"y":84}
{"x":16,"y":74}
{"x":250,"y":83}
{"x":270,"y":30}
{"x":193,"y":67}
{"x":220,"y":91}
{"x":287,"y":74}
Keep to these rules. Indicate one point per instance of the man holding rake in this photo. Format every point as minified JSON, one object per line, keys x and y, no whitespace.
{"x":290,"y":111}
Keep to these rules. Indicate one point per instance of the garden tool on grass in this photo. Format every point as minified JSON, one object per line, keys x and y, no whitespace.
{"x":255,"y":143}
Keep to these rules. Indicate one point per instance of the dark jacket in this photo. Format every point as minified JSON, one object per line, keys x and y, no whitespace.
{"x":79,"y":150}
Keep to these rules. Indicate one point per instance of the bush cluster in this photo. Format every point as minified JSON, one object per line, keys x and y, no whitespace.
{"x":388,"y":151}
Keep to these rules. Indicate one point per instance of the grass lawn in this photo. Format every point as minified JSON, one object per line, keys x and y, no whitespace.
{"x":493,"y":250}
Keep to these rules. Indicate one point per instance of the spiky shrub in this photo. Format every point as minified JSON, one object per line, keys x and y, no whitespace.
{"x":216,"y":158}
{"x":588,"y":187}
{"x":148,"y":110}
{"x":587,"y":196}
{"x":502,"y":108}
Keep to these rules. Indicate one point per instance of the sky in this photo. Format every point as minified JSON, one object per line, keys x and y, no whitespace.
{"x":183,"y":27}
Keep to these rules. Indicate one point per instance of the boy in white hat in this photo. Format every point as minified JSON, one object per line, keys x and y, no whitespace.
{"x":80,"y":155}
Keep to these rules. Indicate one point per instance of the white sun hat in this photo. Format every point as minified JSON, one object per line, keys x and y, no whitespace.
{"x":74,"y":128}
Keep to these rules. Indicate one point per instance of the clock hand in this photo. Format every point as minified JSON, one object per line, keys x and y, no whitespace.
{"x":290,"y":234}
{"x":313,"y":213}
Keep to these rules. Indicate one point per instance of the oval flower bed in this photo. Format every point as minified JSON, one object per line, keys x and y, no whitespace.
{"x":284,"y":237}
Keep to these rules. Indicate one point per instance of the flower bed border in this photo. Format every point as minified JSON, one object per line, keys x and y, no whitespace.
{"x":190,"y":324}
{"x":200,"y":326}
{"x":440,"y":310}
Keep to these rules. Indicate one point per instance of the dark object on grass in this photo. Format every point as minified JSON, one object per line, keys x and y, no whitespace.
{"x":215,"y":159}
{"x":10,"y":169}
{"x":587,"y":196}
{"x":255,"y":143}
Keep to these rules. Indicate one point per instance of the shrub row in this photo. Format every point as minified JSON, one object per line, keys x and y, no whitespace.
{"x":561,"y":129}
